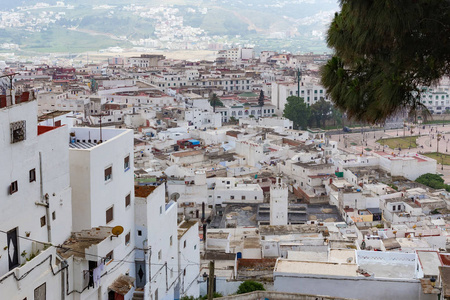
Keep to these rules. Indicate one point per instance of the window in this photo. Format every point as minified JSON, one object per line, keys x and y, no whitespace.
{"x":32,"y":175}
{"x":171,"y":240}
{"x":160,"y":210}
{"x":127,"y":200}
{"x":109,"y":257}
{"x":243,"y":197}
{"x":108,"y":173}
{"x":127,"y":238}
{"x":231,"y":197}
{"x":399,"y":207}
{"x":17,"y":131}
{"x":139,"y":232}
{"x":195,"y":247}
{"x":184,"y":244}
{"x":159,"y":254}
{"x":43,"y":221}
{"x":393,"y":207}
{"x":14,"y":187}
{"x":109,"y":214}
{"x":54,"y":215}
{"x":40,"y":293}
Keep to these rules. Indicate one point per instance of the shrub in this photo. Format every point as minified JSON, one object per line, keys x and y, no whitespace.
{"x":249,"y":286}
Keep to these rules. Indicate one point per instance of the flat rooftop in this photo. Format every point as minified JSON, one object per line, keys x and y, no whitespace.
{"x":316,"y":268}
{"x":388,"y":270}
{"x":82,"y":145}
{"x":143,"y":191}
{"x":79,"y":241}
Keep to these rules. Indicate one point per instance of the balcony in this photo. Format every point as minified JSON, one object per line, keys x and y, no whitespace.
{"x":86,"y":244}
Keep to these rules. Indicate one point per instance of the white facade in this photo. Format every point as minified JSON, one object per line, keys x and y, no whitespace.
{"x":200,"y":118}
{"x":310,"y":91}
{"x":102,"y":181}
{"x":189,"y":258}
{"x":279,"y":203}
{"x":152,"y":215}
{"x":35,"y":202}
{"x":229,"y":191}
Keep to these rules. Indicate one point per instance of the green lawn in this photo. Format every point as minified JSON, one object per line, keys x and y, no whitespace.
{"x":440,"y":157}
{"x":400,"y":142}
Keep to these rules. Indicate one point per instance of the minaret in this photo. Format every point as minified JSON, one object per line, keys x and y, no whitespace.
{"x":278,"y":203}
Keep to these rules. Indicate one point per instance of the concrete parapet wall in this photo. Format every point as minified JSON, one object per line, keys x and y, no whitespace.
{"x":260,"y":295}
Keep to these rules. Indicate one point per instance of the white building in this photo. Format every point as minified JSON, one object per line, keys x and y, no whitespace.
{"x":160,"y":246}
{"x":372,"y":275}
{"x":102,"y":181}
{"x":35,"y":203}
{"x":279,"y":203}
{"x":310,"y":90}
{"x":202,"y":118}
{"x":188,"y":258}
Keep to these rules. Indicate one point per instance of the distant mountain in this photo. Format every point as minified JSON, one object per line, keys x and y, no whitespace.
{"x":81,"y":25}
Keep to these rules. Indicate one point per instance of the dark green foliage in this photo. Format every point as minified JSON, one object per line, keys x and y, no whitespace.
{"x":320,"y":112}
{"x":433,"y":181}
{"x":249,"y":286}
{"x":214,"y":101}
{"x":385,"y":51}
{"x":297,"y":111}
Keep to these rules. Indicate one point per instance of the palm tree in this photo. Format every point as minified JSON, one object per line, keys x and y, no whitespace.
{"x":214,"y":101}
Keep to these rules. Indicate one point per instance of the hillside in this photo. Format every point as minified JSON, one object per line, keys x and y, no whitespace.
{"x":77,"y":26}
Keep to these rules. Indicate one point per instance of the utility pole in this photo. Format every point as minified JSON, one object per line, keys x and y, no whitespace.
{"x":299,"y":77}
{"x":211,"y":281}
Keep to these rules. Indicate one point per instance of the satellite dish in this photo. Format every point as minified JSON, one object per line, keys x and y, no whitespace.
{"x":175,"y":196}
{"x":117,"y":230}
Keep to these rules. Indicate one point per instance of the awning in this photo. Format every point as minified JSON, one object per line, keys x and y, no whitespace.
{"x":122,"y":285}
{"x":194,"y":142}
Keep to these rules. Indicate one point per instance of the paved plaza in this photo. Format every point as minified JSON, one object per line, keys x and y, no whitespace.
{"x":427,"y":141}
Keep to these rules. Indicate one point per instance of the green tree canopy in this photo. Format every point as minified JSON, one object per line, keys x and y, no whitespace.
{"x":249,"y":286}
{"x":432,"y":180}
{"x":297,"y":111}
{"x":215,"y":101}
{"x":321,"y":112}
{"x":385,"y":52}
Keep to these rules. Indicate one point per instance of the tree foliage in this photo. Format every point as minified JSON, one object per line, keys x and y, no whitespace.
{"x":215,"y":101}
{"x":433,"y":181}
{"x":321,"y":112}
{"x":385,"y":52}
{"x":297,"y":111}
{"x":261,"y":98}
{"x":249,"y":286}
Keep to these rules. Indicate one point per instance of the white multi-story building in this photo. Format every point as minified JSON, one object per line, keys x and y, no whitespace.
{"x":188,"y":258}
{"x":160,"y":247}
{"x":202,"y":118}
{"x":310,"y":90}
{"x":436,"y":99}
{"x":102,"y":181}
{"x":279,"y":203}
{"x":35,"y":206}
{"x":240,"y":111}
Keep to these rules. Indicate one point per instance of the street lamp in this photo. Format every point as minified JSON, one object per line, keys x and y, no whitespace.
{"x":438,"y":138}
